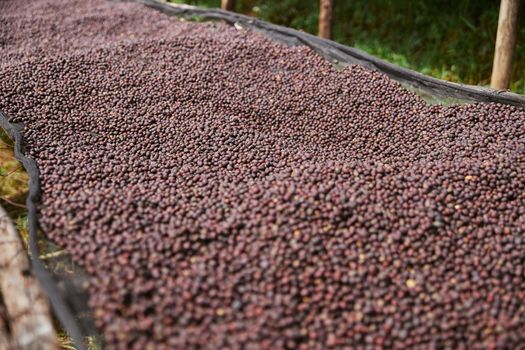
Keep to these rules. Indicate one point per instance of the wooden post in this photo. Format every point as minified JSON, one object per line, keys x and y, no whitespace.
{"x":228,"y":5}
{"x":505,"y":44}
{"x":325,"y":19}
{"x":30,"y":323}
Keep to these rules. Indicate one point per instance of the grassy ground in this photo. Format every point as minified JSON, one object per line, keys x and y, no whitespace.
{"x":447,"y":39}
{"x":13,"y":185}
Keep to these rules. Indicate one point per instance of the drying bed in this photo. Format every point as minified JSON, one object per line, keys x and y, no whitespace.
{"x":223,"y":190}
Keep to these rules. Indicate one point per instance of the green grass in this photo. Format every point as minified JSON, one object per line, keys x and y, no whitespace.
{"x":447,"y":39}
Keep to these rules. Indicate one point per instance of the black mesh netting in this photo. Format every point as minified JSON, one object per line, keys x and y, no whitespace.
{"x":223,"y":190}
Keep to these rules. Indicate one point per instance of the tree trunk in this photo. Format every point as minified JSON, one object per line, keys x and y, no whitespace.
{"x":325,"y":19}
{"x":228,"y":5}
{"x":505,"y":44}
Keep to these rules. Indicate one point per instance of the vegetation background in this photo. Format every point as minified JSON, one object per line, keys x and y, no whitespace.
{"x":448,"y":39}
